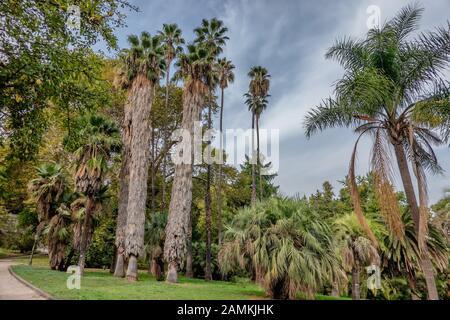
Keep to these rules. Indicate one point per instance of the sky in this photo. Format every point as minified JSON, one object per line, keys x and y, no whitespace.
{"x":290,"y":38}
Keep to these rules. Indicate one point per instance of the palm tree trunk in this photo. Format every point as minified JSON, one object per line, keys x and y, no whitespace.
{"x":163,"y":183}
{"x":36,"y":240}
{"x":356,"y":293}
{"x":177,"y":229}
{"x":219,"y":188}
{"x":425,"y":262}
{"x":208,"y":274}
{"x":412,"y":286}
{"x":152,"y":169}
{"x":253,"y":200}
{"x":124,"y":180}
{"x":85,"y":231}
{"x":137,"y":196}
{"x":189,"y":272}
{"x":258,"y":162}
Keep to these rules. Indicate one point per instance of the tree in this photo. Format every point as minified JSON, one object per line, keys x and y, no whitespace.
{"x":47,"y":190}
{"x":257,"y":102}
{"x":171,"y":38}
{"x":224,"y":69}
{"x":154,"y":243}
{"x":194,"y":67}
{"x":211,"y":36}
{"x":143,"y":63}
{"x":287,"y":246}
{"x":386,"y":77}
{"x":256,"y":105}
{"x":99,"y":139}
{"x":355,"y":248}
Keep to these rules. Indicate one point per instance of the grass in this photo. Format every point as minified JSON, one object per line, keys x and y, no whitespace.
{"x":99,"y":284}
{"x":6,"y":253}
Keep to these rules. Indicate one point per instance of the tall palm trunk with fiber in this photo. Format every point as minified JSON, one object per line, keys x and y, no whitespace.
{"x":124,"y":177}
{"x":142,"y":93}
{"x":177,"y":229}
{"x":356,"y":291}
{"x":85,"y":232}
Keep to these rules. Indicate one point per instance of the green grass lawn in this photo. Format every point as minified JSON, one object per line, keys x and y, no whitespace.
{"x":100,"y":284}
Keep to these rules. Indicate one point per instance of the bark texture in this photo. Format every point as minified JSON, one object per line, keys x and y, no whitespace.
{"x":124,"y":178}
{"x":219,"y":188}
{"x":177,"y":228}
{"x":86,"y":233}
{"x":142,"y":96}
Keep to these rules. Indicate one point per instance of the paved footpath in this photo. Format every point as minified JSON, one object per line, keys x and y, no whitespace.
{"x":13,"y":289}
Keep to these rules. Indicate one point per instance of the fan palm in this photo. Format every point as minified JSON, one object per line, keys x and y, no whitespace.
{"x":355,"y":249}
{"x":211,"y":35}
{"x":386,"y":78}
{"x":225,"y":74}
{"x":101,"y":139}
{"x":172,"y":41}
{"x":195,"y":68}
{"x":154,"y":243}
{"x":144,"y":63}
{"x":47,"y":190}
{"x":285,"y":243}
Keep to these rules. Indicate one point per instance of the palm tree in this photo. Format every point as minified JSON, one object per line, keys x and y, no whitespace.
{"x":101,"y":138}
{"x":287,"y":246}
{"x":171,"y":39}
{"x":154,"y":243}
{"x":356,"y":249}
{"x":258,"y":92}
{"x":256,"y":105}
{"x":144,"y":63}
{"x":194,"y":67}
{"x":403,"y":257}
{"x":47,"y":190}
{"x":387,"y":76}
{"x":211,"y":36}
{"x":224,"y":70}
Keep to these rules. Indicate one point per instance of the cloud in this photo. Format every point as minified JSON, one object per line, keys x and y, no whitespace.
{"x":290,"y":38}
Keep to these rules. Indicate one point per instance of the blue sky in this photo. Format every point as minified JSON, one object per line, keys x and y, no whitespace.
{"x":290,"y":38}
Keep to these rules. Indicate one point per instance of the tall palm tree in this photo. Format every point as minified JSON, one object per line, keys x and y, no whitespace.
{"x":101,"y":138}
{"x":256,"y":105}
{"x":144,"y":64}
{"x":172,"y":41}
{"x":195,"y":68}
{"x":47,"y":190}
{"x":387,"y":76}
{"x":258,"y":90}
{"x":224,"y":70}
{"x":356,"y":249}
{"x":211,"y":36}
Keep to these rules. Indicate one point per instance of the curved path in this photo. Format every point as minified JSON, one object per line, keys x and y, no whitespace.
{"x":13,"y":289}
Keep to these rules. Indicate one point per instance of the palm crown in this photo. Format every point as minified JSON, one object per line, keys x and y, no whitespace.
{"x":260,"y":82}
{"x":171,"y":39}
{"x":146,"y":57}
{"x":211,"y":34}
{"x":224,"y":70}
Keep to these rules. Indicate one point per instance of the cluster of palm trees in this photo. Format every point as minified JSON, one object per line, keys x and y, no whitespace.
{"x":64,"y":213}
{"x":382,"y":93}
{"x":202,"y":71}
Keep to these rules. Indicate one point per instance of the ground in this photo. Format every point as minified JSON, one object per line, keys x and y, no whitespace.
{"x":100,"y":284}
{"x":11,"y":288}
